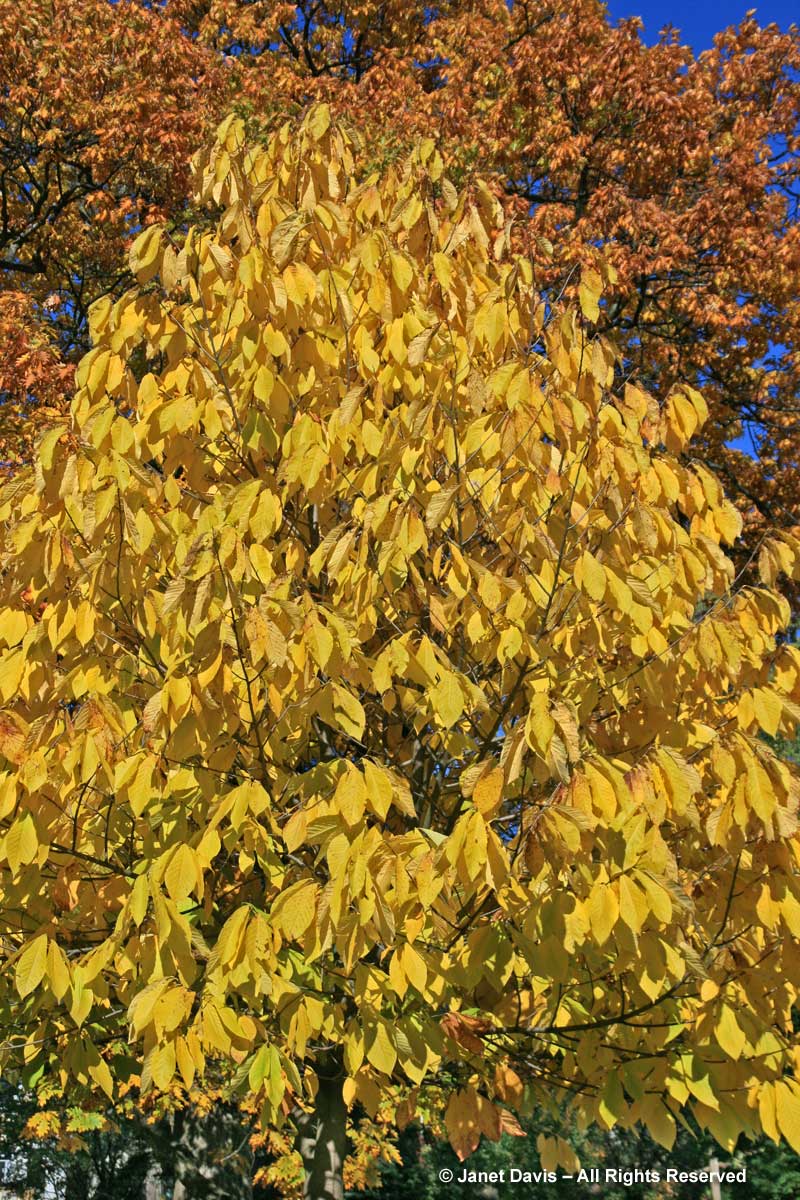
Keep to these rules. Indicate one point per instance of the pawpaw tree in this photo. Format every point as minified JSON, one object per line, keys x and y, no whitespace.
{"x":381,"y":712}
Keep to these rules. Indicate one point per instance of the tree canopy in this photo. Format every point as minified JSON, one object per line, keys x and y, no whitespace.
{"x":380,"y":704}
{"x":681,"y":170}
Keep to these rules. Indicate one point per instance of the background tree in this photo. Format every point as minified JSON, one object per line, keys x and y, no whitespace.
{"x":379,"y":704}
{"x":100,"y":110}
{"x":81,"y":1162}
{"x":130,"y":1150}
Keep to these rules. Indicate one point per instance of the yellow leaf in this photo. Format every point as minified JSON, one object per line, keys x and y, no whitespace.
{"x":510,"y":644}
{"x":321,"y":642}
{"x":769,"y":710}
{"x":680,"y":411}
{"x":47,"y":445}
{"x":21,"y":842}
{"x":264,"y":384}
{"x":701,"y":1088}
{"x":397,"y":976}
{"x":475,"y":844}
{"x":589,"y":292}
{"x":462,"y":1122}
{"x":57,"y":970}
{"x":767,"y":1111}
{"x":379,"y":788}
{"x":443,"y":267}
{"x":402,"y":271}
{"x":447,"y":699}
{"x":728,"y":1034}
{"x":488,"y":793}
{"x":603,"y":911}
{"x":418,"y":347}
{"x":185,"y":1062}
{"x":31,"y":965}
{"x":139,"y":899}
{"x":350,"y":797}
{"x":413,"y":966}
{"x":540,"y":726}
{"x":300,"y":283}
{"x":590,"y":575}
{"x":660,"y":1122}
{"x":99,"y":1071}
{"x":787,"y":1107}
{"x":12,"y":669}
{"x":633,"y":907}
{"x":340,"y":709}
{"x":144,"y":254}
{"x":439,"y":504}
{"x":140,"y":789}
{"x":380,"y":1049}
{"x":295,"y":909}
{"x":619,"y":592}
{"x":318,"y":121}
{"x":162,"y":1065}
{"x":181,"y":873}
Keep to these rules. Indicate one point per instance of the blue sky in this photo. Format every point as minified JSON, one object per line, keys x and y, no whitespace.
{"x":699,"y":20}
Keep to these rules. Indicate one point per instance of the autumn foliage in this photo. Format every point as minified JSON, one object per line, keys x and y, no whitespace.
{"x":682,"y":171}
{"x":101,"y":109}
{"x":381,"y":708}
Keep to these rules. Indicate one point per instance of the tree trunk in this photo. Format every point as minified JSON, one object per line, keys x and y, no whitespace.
{"x":322,"y":1136}
{"x":152,"y":1185}
{"x":716,"y":1190}
{"x":209,"y":1156}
